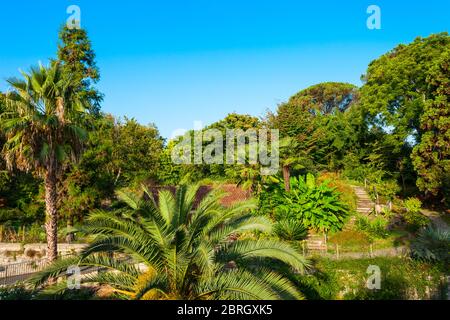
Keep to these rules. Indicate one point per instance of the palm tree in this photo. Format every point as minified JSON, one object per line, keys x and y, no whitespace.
{"x":167,"y":247}
{"x":42,"y":121}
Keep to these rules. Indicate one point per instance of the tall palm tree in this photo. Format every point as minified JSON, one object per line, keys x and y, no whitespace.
{"x":43,"y":120}
{"x":171,"y":248}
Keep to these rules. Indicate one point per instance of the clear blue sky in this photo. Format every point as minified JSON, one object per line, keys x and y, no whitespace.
{"x":176,"y":62}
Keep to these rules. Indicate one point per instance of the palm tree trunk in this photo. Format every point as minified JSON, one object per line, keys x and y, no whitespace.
{"x":287,"y":178}
{"x":51,"y":224}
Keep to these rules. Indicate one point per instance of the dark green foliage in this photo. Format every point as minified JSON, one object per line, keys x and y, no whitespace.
{"x":117,"y":154}
{"x":406,"y":90}
{"x":415,"y":221}
{"x":78,"y":57}
{"x":433,"y":245}
{"x":375,"y":228}
{"x":316,"y":205}
{"x":290,"y":230}
{"x":185,"y":248}
{"x":16,"y":293}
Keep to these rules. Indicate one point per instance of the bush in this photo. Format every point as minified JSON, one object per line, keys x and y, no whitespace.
{"x":413,"y":205}
{"x":315,"y":205}
{"x":432,"y":244}
{"x":376,"y":228}
{"x":15,"y":292}
{"x":290,"y":230}
{"x":416,"y":221}
{"x":347,"y":195}
{"x":7,"y":214}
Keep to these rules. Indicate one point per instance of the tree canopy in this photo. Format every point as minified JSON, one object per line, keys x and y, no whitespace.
{"x":406,"y":94}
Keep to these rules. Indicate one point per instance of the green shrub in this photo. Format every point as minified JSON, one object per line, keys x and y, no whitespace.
{"x":413,"y":205}
{"x":387,"y":189}
{"x":290,"y":230}
{"x":316,"y":205}
{"x":432,"y":244}
{"x":415,"y":221}
{"x":7,"y":214}
{"x":376,"y":228}
{"x":36,"y":234}
{"x":15,"y":292}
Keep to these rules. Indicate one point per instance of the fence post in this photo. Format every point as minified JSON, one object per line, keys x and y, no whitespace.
{"x":1,"y":233}
{"x":337,"y":251}
{"x":371,"y":250}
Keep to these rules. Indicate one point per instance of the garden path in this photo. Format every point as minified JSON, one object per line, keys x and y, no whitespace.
{"x":365,"y":205}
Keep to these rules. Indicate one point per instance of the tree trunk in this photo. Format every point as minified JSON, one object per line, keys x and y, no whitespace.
{"x":287,"y":178}
{"x":51,"y":225}
{"x":70,"y":237}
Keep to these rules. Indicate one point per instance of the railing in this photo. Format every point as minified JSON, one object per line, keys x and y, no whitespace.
{"x":337,"y":252}
{"x":12,"y":273}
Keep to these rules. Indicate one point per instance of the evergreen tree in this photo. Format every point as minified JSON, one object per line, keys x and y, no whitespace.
{"x":78,"y":58}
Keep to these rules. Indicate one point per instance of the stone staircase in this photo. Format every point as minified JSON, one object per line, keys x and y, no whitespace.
{"x":365,"y":205}
{"x":316,"y":242}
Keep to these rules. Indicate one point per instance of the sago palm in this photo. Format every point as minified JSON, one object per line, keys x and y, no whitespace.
{"x":42,"y":121}
{"x":167,"y":247}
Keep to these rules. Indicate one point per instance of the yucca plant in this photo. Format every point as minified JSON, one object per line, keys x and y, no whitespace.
{"x":170,"y":248}
{"x":432,"y":244}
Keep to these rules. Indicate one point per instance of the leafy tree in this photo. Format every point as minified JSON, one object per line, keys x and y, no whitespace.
{"x":247,"y":175}
{"x":310,"y":118}
{"x":78,"y":58}
{"x":405,"y":94}
{"x":136,"y":151}
{"x":186,"y":250}
{"x":43,"y":122}
{"x":117,"y":154}
{"x":431,"y":157}
{"x":326,"y":98}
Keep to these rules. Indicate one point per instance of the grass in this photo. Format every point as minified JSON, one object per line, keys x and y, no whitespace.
{"x":401,"y":278}
{"x":358,"y":241}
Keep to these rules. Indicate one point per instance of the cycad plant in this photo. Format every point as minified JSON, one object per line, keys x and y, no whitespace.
{"x":43,"y":121}
{"x":432,"y":244}
{"x":169,"y":247}
{"x":290,"y":230}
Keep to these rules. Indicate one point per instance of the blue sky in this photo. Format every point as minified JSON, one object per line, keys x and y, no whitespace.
{"x":176,"y":62}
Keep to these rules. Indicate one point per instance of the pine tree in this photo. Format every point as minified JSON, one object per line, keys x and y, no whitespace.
{"x":78,"y":58}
